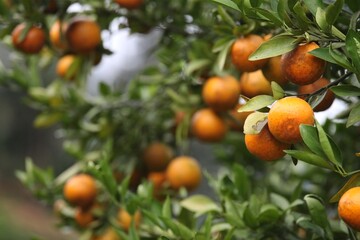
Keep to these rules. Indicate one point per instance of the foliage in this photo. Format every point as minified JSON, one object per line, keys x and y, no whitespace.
{"x":105,"y":134}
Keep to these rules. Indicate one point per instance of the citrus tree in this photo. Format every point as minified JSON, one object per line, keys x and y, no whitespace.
{"x":242,"y":76}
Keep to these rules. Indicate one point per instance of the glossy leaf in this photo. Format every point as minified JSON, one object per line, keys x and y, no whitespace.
{"x":256,"y":103}
{"x":228,"y":3}
{"x":353,"y":48}
{"x":346,"y":91}
{"x":310,"y":158}
{"x":276,"y":46}
{"x":310,"y":137}
{"x":278,"y":91}
{"x":354,"y":116}
{"x":327,"y":146}
{"x":333,"y":10}
{"x":323,"y":53}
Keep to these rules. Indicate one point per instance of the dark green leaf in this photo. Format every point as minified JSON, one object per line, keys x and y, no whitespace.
{"x":353,"y":48}
{"x":321,"y":20}
{"x":353,"y":5}
{"x":341,"y":59}
{"x":354,"y":116}
{"x":276,"y":46}
{"x":306,"y":223}
{"x":346,"y":90}
{"x":105,"y":89}
{"x":310,"y":137}
{"x":318,"y":214}
{"x":323,"y":53}
{"x":313,"y":5}
{"x":242,"y":182}
{"x":269,"y":213}
{"x":333,"y":10}
{"x":326,"y":145}
{"x":310,"y":158}
{"x":178,"y":228}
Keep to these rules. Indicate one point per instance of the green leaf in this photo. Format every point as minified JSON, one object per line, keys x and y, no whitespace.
{"x":307,"y":224}
{"x":353,"y":5}
{"x":255,"y":122}
{"x":166,"y":210}
{"x":318,"y":214}
{"x":278,"y":91}
{"x":320,"y":17}
{"x":310,"y":158}
{"x":269,"y":214}
{"x":196,"y":65}
{"x":251,"y":212}
{"x":178,"y":228}
{"x":47,"y":119}
{"x":256,"y":103}
{"x":313,"y":5}
{"x":346,"y":90}
{"x":223,"y":55}
{"x":327,"y":146}
{"x":104,"y":88}
{"x":268,"y":15}
{"x":241,"y":181}
{"x":228,"y":3}
{"x":310,"y":137}
{"x":354,"y":116}
{"x":333,"y":10}
{"x":276,"y":46}
{"x":354,"y":181}
{"x":279,"y":201}
{"x":199,"y":204}
{"x":323,"y":53}
{"x":340,"y":59}
{"x":353,"y":48}
{"x":353,"y":20}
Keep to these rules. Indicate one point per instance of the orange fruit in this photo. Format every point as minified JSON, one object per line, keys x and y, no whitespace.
{"x":108,"y":234}
{"x":125,"y":219}
{"x":242,"y":49}
{"x":265,"y":146}
{"x":63,"y":66}
{"x":237,"y":123}
{"x":80,"y":190}
{"x":318,"y":84}
{"x":57,"y":37}
{"x":83,"y":35}
{"x":157,"y":179}
{"x":83,"y":217}
{"x":33,"y":41}
{"x":285,"y":117}
{"x":208,"y":126}
{"x":254,"y":83}
{"x":221,"y":93}
{"x":157,"y":156}
{"x":272,"y":71}
{"x":300,"y":67}
{"x":183,"y":171}
{"x":349,"y":207}
{"x":129,"y":4}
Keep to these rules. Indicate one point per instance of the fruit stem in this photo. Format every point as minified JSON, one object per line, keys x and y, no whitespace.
{"x":334,"y":83}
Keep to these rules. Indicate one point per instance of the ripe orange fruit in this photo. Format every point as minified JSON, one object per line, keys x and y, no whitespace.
{"x":157,"y":179}
{"x":300,"y":67}
{"x":83,"y":217}
{"x":242,"y":49}
{"x":265,"y":146}
{"x":272,"y":71}
{"x":108,"y":234}
{"x":125,"y":219}
{"x":157,"y":156}
{"x":239,"y":118}
{"x":57,"y":37}
{"x":33,"y":41}
{"x":63,"y":66}
{"x":221,"y":93}
{"x":183,"y":171}
{"x":349,"y":207}
{"x":83,"y":35}
{"x":318,"y":84}
{"x":80,"y":190}
{"x":285,"y":117}
{"x":208,"y":126}
{"x":129,"y":4}
{"x":254,"y":83}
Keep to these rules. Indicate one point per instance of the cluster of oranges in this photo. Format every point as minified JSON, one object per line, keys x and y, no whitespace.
{"x":75,"y":38}
{"x":286,"y":115}
{"x":164,"y":171}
